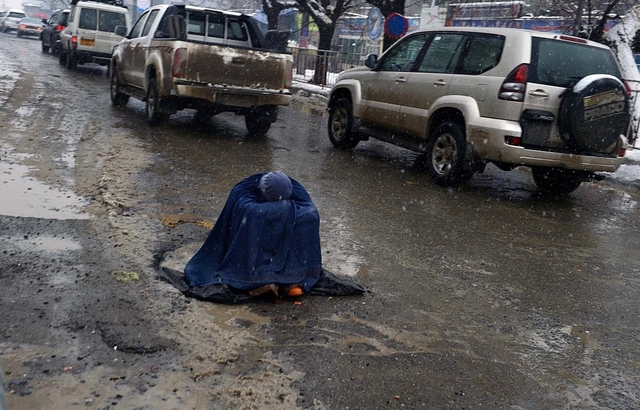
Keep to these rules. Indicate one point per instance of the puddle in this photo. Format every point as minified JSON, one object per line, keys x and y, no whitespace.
{"x":235,"y":317}
{"x":44,"y":243}
{"x":32,"y":198}
{"x":8,"y":78}
{"x":340,"y":254}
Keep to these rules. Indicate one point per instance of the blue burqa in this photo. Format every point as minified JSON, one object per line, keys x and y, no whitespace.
{"x":256,"y":242}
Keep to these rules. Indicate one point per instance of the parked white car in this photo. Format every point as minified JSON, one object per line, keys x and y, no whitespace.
{"x":10,"y":19}
{"x":90,"y":33}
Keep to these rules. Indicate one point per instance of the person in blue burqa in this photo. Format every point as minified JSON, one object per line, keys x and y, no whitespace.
{"x":267,"y":238}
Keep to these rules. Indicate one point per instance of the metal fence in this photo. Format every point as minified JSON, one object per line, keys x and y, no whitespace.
{"x":322,"y":67}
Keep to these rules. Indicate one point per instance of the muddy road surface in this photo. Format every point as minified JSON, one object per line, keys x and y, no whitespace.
{"x":487,"y":296}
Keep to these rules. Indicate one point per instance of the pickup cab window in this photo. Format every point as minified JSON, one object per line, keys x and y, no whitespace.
{"x":137,"y":28}
{"x":216,"y":26}
{"x":149,"y":23}
{"x":196,"y":24}
{"x":236,"y":30}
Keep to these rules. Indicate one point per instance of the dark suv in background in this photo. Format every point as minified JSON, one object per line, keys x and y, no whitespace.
{"x":50,"y":36}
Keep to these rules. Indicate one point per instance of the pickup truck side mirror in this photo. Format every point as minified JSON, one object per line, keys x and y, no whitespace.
{"x":121,"y":31}
{"x":44,"y":21}
{"x":371,"y":60}
{"x":277,"y":40}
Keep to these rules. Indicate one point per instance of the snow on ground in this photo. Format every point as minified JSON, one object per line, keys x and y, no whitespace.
{"x":630,"y":170}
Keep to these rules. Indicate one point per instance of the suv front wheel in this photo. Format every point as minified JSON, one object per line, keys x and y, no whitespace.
{"x":444,"y":158}
{"x":339,"y":124}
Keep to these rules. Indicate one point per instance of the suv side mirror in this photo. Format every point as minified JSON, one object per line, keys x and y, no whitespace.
{"x":120,"y":31}
{"x":44,"y":21}
{"x":371,"y":60}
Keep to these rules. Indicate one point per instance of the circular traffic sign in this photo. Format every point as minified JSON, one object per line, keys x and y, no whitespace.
{"x":396,"y":25}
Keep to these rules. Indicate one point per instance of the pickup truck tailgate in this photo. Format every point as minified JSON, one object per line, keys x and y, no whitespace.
{"x":220,"y":65}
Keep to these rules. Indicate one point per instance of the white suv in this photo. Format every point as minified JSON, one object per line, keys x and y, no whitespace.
{"x":467,"y":96}
{"x":90,"y":33}
{"x":9,"y":19}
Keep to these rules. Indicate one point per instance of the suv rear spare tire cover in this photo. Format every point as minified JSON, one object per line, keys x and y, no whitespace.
{"x":594,"y":113}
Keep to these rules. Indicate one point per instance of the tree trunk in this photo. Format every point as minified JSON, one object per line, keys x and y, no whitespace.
{"x":386,"y":10}
{"x":597,"y":34}
{"x":324,"y":51}
{"x":272,"y":14}
{"x":272,"y":20}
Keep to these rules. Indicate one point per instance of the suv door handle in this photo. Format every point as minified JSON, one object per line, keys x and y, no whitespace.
{"x":400,"y":80}
{"x":237,"y":60}
{"x":538,"y":93}
{"x":440,"y":82}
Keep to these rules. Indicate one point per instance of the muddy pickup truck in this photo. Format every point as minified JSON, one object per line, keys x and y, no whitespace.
{"x":178,"y":57}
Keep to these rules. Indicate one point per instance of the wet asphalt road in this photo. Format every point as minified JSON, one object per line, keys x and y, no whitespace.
{"x":487,"y":296}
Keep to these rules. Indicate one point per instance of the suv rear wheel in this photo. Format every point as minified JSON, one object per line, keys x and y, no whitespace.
{"x":556,"y":181}
{"x":339,"y":124}
{"x":444,"y":158}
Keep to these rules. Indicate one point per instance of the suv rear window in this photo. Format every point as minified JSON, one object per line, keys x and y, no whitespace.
{"x":562,"y":63}
{"x":88,"y":19}
{"x":109,"y":20}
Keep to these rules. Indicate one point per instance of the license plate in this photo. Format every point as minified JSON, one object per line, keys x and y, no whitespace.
{"x":87,"y":41}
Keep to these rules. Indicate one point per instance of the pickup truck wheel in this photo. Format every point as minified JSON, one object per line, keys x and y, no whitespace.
{"x":154,"y":116}
{"x":556,"y":181}
{"x":45,"y":48}
{"x":62,"y":58}
{"x":339,"y":124}
{"x":444,"y":158}
{"x":118,"y":99}
{"x":257,"y":123}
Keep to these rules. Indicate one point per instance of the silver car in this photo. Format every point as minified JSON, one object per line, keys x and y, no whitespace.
{"x":29,"y":27}
{"x":10,"y":19}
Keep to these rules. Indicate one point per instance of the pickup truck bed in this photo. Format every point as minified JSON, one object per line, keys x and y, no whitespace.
{"x":178,"y":57}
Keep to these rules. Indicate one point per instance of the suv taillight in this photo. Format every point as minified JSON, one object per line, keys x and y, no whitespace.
{"x":514,"y":85}
{"x":179,"y":66}
{"x":74,"y":42}
{"x":60,"y":27}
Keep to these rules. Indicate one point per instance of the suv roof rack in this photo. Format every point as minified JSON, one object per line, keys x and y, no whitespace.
{"x":119,"y":3}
